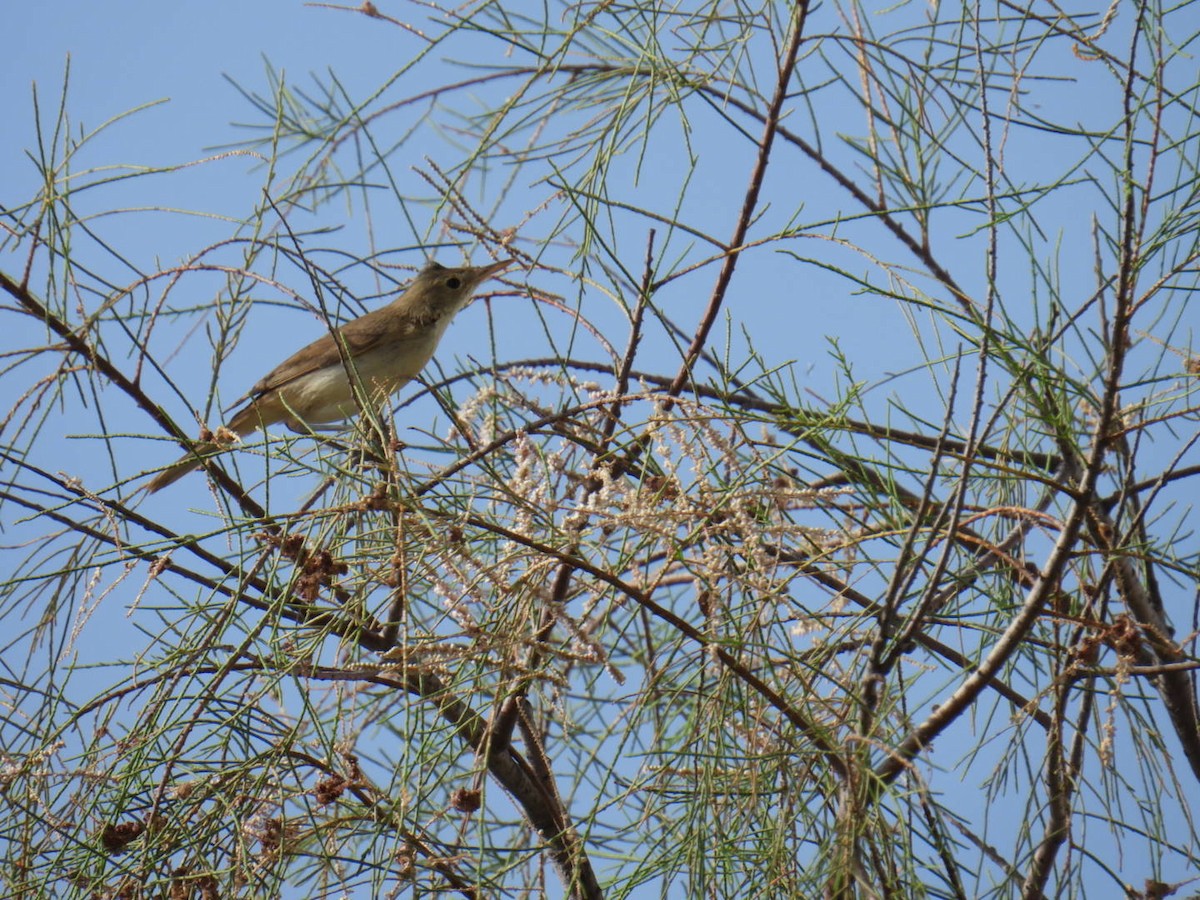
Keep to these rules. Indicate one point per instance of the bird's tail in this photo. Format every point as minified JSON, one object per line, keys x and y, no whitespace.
{"x":247,"y":419}
{"x":181,"y":467}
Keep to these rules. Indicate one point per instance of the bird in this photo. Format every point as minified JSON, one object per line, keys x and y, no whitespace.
{"x":382,"y":351}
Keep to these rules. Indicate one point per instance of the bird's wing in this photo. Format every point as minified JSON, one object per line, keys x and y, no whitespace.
{"x":357,"y":337}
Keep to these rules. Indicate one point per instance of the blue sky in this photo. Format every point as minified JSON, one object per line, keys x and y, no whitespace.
{"x":181,"y":59}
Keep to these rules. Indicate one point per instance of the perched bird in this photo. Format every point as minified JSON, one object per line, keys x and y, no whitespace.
{"x":381,"y":350}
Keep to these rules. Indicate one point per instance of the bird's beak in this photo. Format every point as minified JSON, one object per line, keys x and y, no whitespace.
{"x":486,"y":272}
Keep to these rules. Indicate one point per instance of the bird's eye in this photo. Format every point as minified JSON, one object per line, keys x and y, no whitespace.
{"x":453,"y":283}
